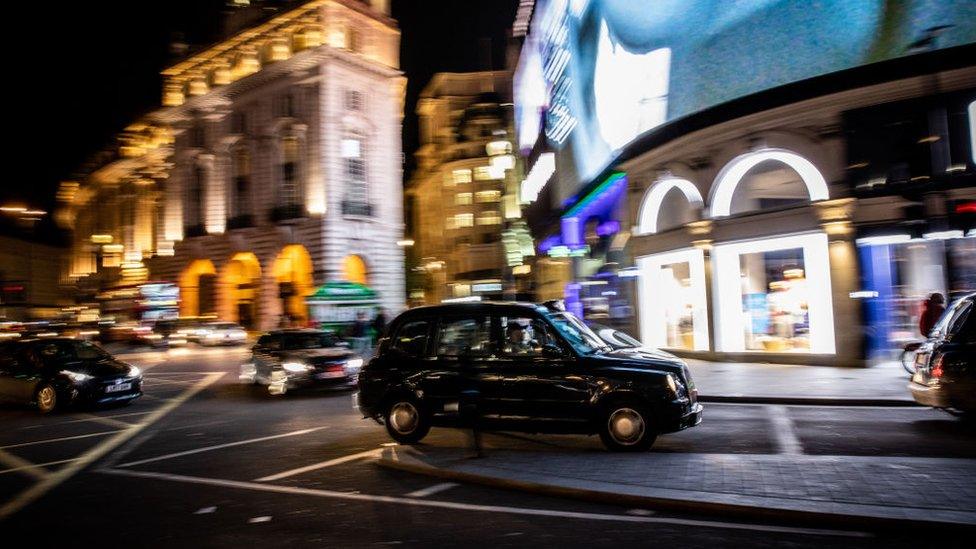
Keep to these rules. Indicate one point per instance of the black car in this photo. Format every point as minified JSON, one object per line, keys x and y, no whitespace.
{"x":945,"y":365}
{"x":291,"y":359}
{"x":614,"y":337}
{"x":54,"y":371}
{"x":530,"y":368}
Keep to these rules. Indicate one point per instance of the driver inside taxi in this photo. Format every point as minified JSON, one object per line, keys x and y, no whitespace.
{"x":516,"y":340}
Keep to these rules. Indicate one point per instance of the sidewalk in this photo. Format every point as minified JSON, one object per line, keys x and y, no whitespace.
{"x":838,"y":490}
{"x":883,"y":384}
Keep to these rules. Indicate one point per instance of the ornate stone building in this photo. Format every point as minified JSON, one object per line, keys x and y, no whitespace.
{"x":463,"y":193}
{"x":273,"y":167}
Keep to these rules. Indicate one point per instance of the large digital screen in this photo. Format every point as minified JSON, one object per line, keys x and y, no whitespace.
{"x":595,"y":74}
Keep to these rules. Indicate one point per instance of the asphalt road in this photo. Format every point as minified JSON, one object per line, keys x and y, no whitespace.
{"x":204,"y":461}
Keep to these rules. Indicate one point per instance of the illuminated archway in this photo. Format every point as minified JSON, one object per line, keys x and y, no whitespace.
{"x":650,"y":209}
{"x":354,"y":269}
{"x":292,"y":270}
{"x":197,"y":289}
{"x":720,"y":199}
{"x":241,"y":282}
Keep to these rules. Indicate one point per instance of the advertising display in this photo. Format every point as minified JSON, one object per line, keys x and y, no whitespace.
{"x":593,"y":75}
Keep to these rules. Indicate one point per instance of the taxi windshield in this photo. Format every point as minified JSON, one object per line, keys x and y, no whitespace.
{"x":578,"y":334}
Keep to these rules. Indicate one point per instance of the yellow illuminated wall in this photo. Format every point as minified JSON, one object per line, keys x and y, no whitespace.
{"x":294,"y":266}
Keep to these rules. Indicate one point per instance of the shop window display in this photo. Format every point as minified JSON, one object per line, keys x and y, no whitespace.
{"x":775,"y":301}
{"x":673,"y":304}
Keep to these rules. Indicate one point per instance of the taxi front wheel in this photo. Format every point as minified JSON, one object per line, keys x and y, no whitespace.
{"x":405,"y":421}
{"x":625,"y":427}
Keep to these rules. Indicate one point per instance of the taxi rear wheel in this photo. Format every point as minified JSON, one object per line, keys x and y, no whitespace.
{"x":405,"y":421}
{"x":46,"y":398}
{"x":626,"y":427}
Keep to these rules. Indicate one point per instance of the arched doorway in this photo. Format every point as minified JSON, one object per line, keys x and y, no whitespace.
{"x":292,"y":270}
{"x":354,"y":269}
{"x":242,"y":280}
{"x":197,"y":289}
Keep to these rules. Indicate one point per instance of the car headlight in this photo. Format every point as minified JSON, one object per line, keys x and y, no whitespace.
{"x":76,"y":376}
{"x":134,"y":371}
{"x":672,"y":384}
{"x":354,"y":364}
{"x":295,"y":367}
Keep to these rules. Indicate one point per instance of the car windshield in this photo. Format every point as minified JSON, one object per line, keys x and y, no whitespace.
{"x":309,"y":341}
{"x":578,"y":334}
{"x":223,"y":326}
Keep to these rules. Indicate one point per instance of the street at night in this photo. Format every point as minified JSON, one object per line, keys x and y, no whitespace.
{"x":202,"y":460}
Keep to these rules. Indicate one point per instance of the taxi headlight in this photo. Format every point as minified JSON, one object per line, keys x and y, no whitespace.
{"x":294,"y":367}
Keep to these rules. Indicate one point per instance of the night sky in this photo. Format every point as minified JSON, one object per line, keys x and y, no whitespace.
{"x":99,"y":70}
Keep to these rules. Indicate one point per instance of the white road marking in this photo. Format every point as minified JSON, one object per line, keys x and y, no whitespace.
{"x":19,"y":464}
{"x":111,"y":422}
{"x":431,"y":490}
{"x":92,"y":418}
{"x":218,"y":447}
{"x":50,"y":440}
{"x":320,"y":465}
{"x":786,"y":439}
{"x":84,"y":460}
{"x":35,"y":465}
{"x":259,"y":519}
{"x":205,"y":510}
{"x":295,"y":490}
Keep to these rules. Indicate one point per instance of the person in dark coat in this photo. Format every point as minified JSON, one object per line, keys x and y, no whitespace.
{"x":379,"y":323}
{"x":932,"y":310}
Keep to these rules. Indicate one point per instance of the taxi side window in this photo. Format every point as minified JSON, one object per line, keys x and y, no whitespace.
{"x":464,"y":337}
{"x":523,"y":336}
{"x":411,"y":338}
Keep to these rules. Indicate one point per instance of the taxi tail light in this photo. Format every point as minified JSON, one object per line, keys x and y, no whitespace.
{"x":937,"y":370}
{"x":334,"y":368}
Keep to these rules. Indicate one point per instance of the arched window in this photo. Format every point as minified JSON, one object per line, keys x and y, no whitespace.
{"x":768,"y":178}
{"x":670,"y":202}
{"x":354,"y":269}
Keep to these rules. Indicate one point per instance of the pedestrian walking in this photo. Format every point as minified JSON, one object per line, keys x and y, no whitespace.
{"x":932,"y":309}
{"x":379,"y":324}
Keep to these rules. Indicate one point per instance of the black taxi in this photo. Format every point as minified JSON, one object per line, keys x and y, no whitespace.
{"x":521,"y":367}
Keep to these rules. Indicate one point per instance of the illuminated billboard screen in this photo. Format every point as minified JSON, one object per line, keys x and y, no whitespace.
{"x":595,"y":74}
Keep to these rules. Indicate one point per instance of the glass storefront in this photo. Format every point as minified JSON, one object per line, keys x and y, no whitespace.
{"x":775,"y":301}
{"x":773,"y":295}
{"x":672,"y":297}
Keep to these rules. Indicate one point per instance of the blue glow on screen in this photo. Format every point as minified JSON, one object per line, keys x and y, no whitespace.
{"x":635,"y":64}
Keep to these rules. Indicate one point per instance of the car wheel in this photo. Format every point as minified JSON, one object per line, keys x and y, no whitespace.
{"x":405,"y":420}
{"x":46,"y":398}
{"x":625,"y":428}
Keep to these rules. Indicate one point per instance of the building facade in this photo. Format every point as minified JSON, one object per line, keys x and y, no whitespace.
{"x":463,"y":194}
{"x":726,"y":201}
{"x":273,"y":168}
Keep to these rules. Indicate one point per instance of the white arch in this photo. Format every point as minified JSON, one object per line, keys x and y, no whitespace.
{"x":654,"y":197}
{"x":720,"y":198}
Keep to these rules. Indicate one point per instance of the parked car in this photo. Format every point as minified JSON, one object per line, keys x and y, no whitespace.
{"x":296,"y":358}
{"x":534,"y":369}
{"x":614,"y":337}
{"x":945,"y":365}
{"x":55,"y":371}
{"x":222,"y":333}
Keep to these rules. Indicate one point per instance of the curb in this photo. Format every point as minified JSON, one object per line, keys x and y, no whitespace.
{"x":811,"y":401}
{"x":740,"y":511}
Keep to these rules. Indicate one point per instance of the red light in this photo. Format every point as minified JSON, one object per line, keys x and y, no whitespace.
{"x":966,"y":207}
{"x":937,"y":370}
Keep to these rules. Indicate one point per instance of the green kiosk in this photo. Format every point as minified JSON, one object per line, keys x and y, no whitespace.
{"x":335,"y":305}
